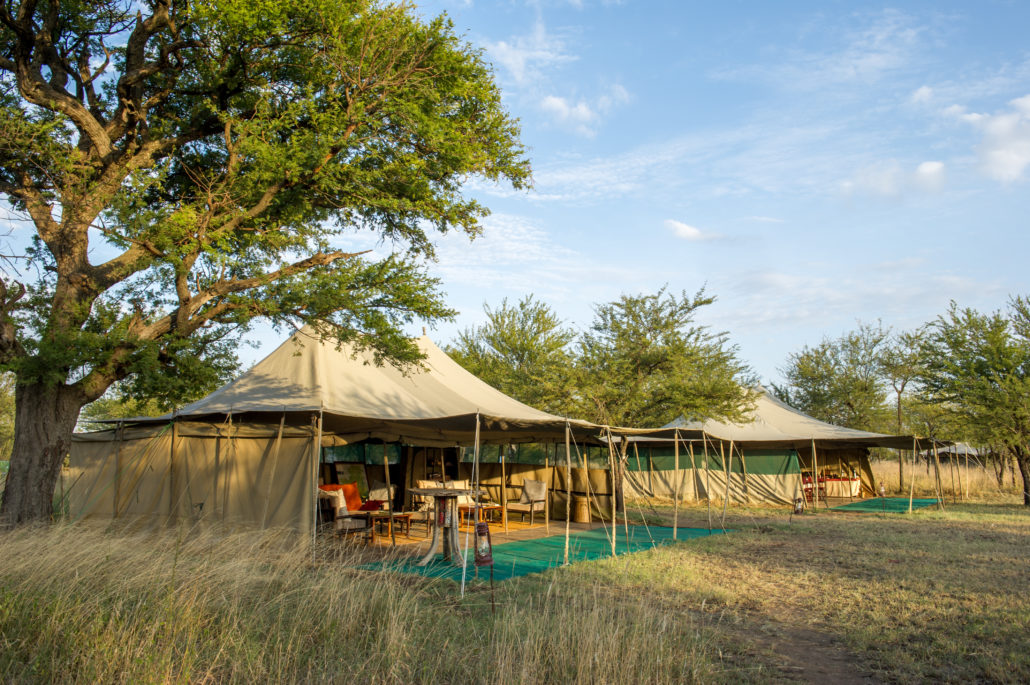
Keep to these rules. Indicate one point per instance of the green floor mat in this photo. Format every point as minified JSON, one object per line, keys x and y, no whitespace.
{"x":890,"y":505}
{"x":515,"y":559}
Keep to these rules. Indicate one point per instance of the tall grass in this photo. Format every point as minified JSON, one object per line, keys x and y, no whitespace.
{"x":958,"y":481}
{"x":79,"y":604}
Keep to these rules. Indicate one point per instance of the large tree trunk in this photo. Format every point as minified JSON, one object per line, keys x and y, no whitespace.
{"x":45,"y":417}
{"x":1023,"y":461}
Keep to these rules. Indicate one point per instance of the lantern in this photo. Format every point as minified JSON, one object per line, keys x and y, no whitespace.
{"x":483,"y":550}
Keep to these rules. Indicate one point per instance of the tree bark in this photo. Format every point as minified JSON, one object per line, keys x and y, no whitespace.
{"x":45,"y":417}
{"x":1023,"y":461}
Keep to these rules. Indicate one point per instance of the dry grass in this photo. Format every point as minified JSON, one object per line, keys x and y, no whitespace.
{"x":933,"y":596}
{"x":80,"y":605}
{"x":959,"y":482}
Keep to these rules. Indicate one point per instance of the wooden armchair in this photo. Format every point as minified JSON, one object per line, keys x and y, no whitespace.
{"x":534,"y":499}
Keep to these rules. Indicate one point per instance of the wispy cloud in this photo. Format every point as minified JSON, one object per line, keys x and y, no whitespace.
{"x":526,"y":57}
{"x":891,"y":180}
{"x":1004,"y":149}
{"x":887,"y":43}
{"x":688,"y":232}
{"x":583,"y":116}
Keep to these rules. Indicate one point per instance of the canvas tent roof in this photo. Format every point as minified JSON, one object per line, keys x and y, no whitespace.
{"x":359,"y":399}
{"x":776,"y":424}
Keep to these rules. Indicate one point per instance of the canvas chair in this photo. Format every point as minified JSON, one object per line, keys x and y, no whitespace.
{"x":534,"y":499}
{"x":346,"y":504}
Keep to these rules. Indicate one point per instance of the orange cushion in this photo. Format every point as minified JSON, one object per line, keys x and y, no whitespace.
{"x":351,"y":496}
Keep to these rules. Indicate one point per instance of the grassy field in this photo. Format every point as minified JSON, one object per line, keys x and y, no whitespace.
{"x":829,"y":597}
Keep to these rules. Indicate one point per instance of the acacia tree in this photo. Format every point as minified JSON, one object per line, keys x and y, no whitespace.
{"x":523,"y":351}
{"x":978,"y":366}
{"x":645,"y":361}
{"x":191,"y":167}
{"x":840,"y":380}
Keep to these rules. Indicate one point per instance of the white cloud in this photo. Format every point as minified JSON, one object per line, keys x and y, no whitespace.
{"x":525,"y":57}
{"x":767,"y":219}
{"x":1004,"y":149}
{"x":890,"y":180}
{"x":582,"y":116}
{"x":688,"y":232}
{"x":921,"y":95}
{"x":929,"y":176}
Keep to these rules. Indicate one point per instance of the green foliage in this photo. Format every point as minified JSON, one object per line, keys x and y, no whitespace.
{"x":220,"y":155}
{"x":6,"y":415}
{"x":841,"y":381}
{"x":978,"y":367}
{"x":523,"y":351}
{"x":645,"y":361}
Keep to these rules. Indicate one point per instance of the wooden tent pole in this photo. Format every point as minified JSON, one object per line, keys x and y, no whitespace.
{"x":547,"y":492}
{"x":951,"y":465}
{"x":965,"y":479}
{"x":937,"y":477}
{"x":743,"y":468}
{"x":912,"y":476}
{"x":815,"y":477}
{"x":389,"y":495}
{"x":316,"y":449}
{"x":504,"y":489}
{"x":568,"y":490}
{"x":623,"y":460}
{"x":676,"y":468}
{"x":586,"y":477}
{"x":708,"y":481}
{"x":726,"y":470}
{"x":615,"y":503}
{"x":693,"y":470}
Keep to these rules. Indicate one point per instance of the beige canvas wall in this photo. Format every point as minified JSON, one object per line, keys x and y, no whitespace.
{"x":243,"y":475}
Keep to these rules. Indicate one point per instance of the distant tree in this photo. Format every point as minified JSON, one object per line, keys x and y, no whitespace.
{"x":190,"y":166}
{"x":841,"y":380}
{"x":645,"y":361}
{"x":978,"y":367}
{"x":900,"y":365}
{"x":523,"y":351}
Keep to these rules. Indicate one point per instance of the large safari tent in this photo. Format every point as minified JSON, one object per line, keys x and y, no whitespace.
{"x":767,"y":459}
{"x":253,"y":452}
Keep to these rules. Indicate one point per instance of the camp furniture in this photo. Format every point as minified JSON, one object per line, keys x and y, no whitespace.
{"x":445,"y":522}
{"x":534,"y":499}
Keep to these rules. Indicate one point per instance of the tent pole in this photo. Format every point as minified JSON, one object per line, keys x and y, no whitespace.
{"x":965,"y":478}
{"x":693,"y":470}
{"x":547,"y":493}
{"x":615,"y":501}
{"x":815,"y":477}
{"x":743,"y":468}
{"x":708,"y":480}
{"x":726,"y":469}
{"x":912,"y":476}
{"x":951,"y":465}
{"x":275,"y":467}
{"x":504,"y":491}
{"x":676,"y":468}
{"x":389,"y":494}
{"x":623,"y":460}
{"x":316,"y":448}
{"x":568,"y":490}
{"x":586,"y":476}
{"x":937,"y":477}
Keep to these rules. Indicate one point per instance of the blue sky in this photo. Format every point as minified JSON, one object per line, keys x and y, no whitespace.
{"x":811,"y":164}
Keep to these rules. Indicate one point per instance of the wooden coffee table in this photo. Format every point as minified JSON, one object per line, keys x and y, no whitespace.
{"x":384,"y":517}
{"x":467,"y":510}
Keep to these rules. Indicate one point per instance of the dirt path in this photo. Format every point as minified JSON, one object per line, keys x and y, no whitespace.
{"x":803,"y":654}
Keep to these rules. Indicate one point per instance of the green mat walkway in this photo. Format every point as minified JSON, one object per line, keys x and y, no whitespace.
{"x":890,"y":505}
{"x":515,"y":559}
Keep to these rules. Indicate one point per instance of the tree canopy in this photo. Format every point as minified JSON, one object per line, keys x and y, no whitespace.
{"x":191,"y":166}
{"x":522,"y":350}
{"x":841,"y":380}
{"x":645,"y":360}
